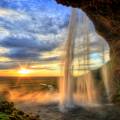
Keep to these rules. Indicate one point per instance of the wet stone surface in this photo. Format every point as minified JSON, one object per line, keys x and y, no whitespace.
{"x":51,"y":112}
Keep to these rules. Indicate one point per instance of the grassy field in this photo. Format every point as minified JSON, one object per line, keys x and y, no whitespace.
{"x":30,"y":83}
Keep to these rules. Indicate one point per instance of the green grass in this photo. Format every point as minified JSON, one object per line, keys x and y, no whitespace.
{"x":4,"y":116}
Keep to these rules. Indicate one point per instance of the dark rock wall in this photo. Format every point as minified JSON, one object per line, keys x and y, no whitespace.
{"x":105,"y":15}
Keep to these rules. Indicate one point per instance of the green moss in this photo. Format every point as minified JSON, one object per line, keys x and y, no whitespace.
{"x":4,"y":116}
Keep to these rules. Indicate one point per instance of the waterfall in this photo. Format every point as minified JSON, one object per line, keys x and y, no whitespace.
{"x":79,"y":89}
{"x":105,"y":78}
{"x":86,"y":92}
{"x":67,"y":83}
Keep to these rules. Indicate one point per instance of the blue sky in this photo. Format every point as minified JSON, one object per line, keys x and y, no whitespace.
{"x":33,"y":31}
{"x":30,"y":27}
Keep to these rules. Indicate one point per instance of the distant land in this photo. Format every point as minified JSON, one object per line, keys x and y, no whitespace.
{"x":31,"y":83}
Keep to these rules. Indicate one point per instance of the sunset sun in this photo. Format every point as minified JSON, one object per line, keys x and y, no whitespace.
{"x":24,"y":71}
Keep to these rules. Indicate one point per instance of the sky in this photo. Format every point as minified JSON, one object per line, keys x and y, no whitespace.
{"x":33,"y":34}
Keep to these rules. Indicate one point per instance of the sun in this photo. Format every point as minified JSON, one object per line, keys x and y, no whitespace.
{"x":24,"y":71}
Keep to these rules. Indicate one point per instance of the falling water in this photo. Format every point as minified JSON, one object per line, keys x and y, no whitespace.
{"x":67,"y":83}
{"x":105,"y":74}
{"x":86,"y":93}
{"x":105,"y":77}
{"x":80,"y":89}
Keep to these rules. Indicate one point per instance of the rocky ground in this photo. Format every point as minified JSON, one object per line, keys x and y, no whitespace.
{"x":51,"y":112}
{"x":33,"y":111}
{"x":9,"y":112}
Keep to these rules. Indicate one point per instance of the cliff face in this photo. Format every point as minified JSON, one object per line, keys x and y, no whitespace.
{"x":105,"y":15}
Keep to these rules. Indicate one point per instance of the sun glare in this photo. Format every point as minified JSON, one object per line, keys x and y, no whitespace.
{"x":24,"y":71}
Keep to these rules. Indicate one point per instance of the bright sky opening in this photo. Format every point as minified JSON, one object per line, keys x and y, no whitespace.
{"x":33,"y":33}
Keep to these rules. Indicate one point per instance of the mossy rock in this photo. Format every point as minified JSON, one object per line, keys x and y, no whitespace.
{"x":6,"y":107}
{"x":9,"y":112}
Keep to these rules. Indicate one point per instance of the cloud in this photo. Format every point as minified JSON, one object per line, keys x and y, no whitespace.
{"x":12,"y":15}
{"x":31,"y":28}
{"x":49,"y":59}
{"x":46,"y":24}
{"x":29,"y":16}
{"x":26,"y":47}
{"x":27,"y":27}
{"x":19,"y":41}
{"x":22,"y":54}
{"x":28,"y":42}
{"x":8,"y":65}
{"x":3,"y":33}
